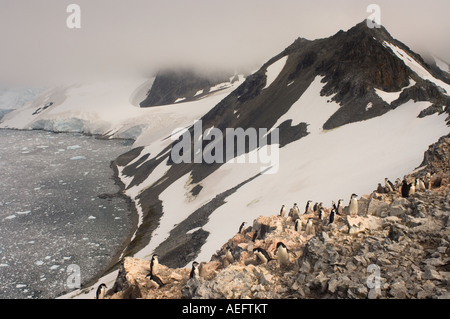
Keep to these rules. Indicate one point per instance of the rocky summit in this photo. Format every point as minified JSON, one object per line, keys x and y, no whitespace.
{"x":396,"y":246}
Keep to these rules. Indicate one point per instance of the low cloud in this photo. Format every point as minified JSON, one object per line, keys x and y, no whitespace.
{"x":141,"y":36}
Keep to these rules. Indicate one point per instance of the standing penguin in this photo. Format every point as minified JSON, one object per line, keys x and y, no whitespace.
{"x":195,"y":271}
{"x":412,"y":188}
{"x":310,"y":228}
{"x":332,"y":215}
{"x":154,"y":264}
{"x":228,"y":255}
{"x":283,"y":211}
{"x":295,"y":216}
{"x":101,"y":291}
{"x":316,"y":207}
{"x":353,"y":207}
{"x":320,"y":213}
{"x":380,"y":189}
{"x":420,"y":185}
{"x":398,"y":183}
{"x":340,"y":207}
{"x":296,"y":210}
{"x":405,"y":189}
{"x":427,"y":181}
{"x":282,"y":254}
{"x":242,"y":228}
{"x":388,"y":185}
{"x":308,"y":207}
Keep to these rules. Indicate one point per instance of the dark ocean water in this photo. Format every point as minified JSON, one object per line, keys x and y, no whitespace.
{"x":51,"y":215}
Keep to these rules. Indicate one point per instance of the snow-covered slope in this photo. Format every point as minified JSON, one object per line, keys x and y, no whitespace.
{"x":324,"y":166}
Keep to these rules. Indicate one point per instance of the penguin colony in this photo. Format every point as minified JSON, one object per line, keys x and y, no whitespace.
{"x":324,"y":217}
{"x":406,"y":187}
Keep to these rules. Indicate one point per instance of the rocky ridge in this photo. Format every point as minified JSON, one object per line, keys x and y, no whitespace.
{"x":395,"y":247}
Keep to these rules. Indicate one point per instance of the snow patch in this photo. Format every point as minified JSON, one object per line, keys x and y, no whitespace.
{"x":274,"y":70}
{"x":311,"y":108}
{"x":180,"y":100}
{"x":390,"y":97}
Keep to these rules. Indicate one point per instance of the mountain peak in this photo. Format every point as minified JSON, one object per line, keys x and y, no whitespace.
{"x":362,"y":29}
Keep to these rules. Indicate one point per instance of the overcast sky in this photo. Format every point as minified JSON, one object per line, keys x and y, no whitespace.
{"x":120,"y":37}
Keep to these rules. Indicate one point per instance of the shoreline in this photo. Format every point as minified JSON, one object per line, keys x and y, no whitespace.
{"x":115,"y":261}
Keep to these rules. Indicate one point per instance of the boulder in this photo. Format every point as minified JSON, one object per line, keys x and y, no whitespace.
{"x":431,"y":274}
{"x":398,"y":290}
{"x":397,"y":210}
{"x":377,"y":207}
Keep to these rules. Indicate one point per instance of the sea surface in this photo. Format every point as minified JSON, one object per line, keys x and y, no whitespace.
{"x":56,"y":232}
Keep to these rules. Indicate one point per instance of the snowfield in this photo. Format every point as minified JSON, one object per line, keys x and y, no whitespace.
{"x":323,"y":166}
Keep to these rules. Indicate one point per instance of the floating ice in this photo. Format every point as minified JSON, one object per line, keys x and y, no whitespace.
{"x":76,"y":158}
{"x":73,"y":147}
{"x":24,"y":213}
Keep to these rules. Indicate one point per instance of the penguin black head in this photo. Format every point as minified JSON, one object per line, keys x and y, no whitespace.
{"x":101,"y":291}
{"x":154,"y":259}
{"x":332,"y":215}
{"x":241,"y":228}
{"x":280,"y":244}
{"x":195,"y":270}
